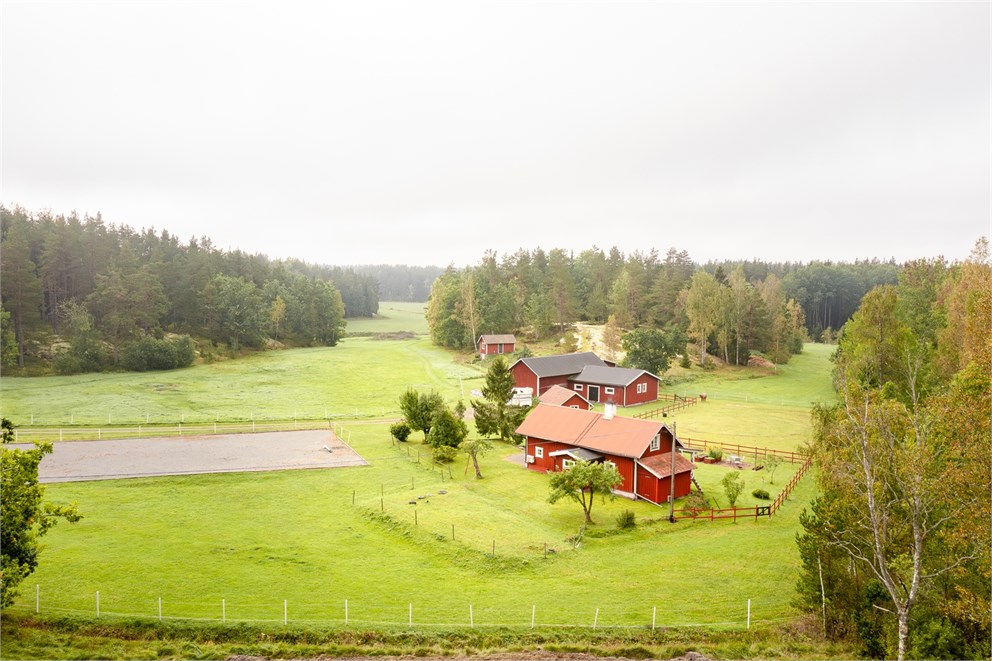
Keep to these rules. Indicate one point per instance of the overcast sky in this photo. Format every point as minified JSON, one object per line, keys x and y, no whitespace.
{"x":427,"y":133}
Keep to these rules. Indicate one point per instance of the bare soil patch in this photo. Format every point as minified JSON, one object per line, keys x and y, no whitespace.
{"x":78,"y":461}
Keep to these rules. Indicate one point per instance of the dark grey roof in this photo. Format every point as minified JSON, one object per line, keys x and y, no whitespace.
{"x":569,"y":363}
{"x":609,"y":376}
{"x":578,"y":453}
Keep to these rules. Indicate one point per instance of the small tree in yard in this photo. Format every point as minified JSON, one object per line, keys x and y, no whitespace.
{"x":494,"y":416}
{"x":419,"y":409}
{"x":582,"y":481}
{"x":733,"y":486}
{"x":476,"y":448}
{"x":446,"y":429}
{"x":771,"y":464}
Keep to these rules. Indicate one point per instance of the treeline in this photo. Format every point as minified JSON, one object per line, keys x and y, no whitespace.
{"x":731,"y":309}
{"x":400,"y":282}
{"x":895,"y":548}
{"x":85,"y":295}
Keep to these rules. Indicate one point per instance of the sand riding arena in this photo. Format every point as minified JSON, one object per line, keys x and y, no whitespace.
{"x":78,"y":461}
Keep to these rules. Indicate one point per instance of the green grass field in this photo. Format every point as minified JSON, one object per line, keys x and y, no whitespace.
{"x":318,"y":538}
{"x":393,"y":317}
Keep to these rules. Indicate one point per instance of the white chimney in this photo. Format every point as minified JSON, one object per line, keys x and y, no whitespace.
{"x":609,"y":411}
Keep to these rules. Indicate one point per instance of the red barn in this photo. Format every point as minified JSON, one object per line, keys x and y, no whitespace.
{"x":641,"y":450}
{"x":489,"y":345}
{"x":619,"y":385}
{"x":559,"y":396}
{"x":541,"y":373}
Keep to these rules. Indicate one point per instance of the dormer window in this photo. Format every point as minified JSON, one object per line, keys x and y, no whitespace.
{"x":656,"y":442}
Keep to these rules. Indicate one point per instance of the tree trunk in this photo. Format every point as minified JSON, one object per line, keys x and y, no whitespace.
{"x":903,"y":632}
{"x":475,"y":462}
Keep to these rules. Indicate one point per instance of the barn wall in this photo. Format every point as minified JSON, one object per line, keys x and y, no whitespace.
{"x":523,"y":377}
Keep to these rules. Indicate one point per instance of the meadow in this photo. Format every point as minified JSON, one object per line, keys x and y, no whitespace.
{"x":300,"y":545}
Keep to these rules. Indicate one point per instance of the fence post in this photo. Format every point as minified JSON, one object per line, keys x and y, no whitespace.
{"x":160,"y":609}
{"x":595,"y":619}
{"x":223,"y":611}
{"x":654,"y":615}
{"x":471,"y":616}
{"x":411,"y":615}
{"x":533,"y":615}
{"x":748,"y":613}
{"x":346,"y":611}
{"x":98,"y":603}
{"x":37,"y":599}
{"x":285,"y":611}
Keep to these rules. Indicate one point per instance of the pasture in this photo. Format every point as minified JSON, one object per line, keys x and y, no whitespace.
{"x":246,"y":546}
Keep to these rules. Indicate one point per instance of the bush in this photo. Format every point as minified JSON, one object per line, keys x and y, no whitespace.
{"x":761,"y":494}
{"x":695,"y":502}
{"x":400,"y":431}
{"x":715,"y":453}
{"x":444,"y":454}
{"x":150,"y":353}
{"x":87,"y":354}
{"x":626,"y":520}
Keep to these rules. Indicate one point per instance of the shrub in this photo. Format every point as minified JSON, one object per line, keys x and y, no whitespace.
{"x":696,"y":501}
{"x":733,"y":487}
{"x":87,"y":354}
{"x":715,"y":453}
{"x":150,"y":353}
{"x":761,"y":494}
{"x":444,"y":454}
{"x":626,"y":520}
{"x":400,"y":431}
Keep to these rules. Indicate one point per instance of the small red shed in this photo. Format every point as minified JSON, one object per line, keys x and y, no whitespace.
{"x":490,"y":345}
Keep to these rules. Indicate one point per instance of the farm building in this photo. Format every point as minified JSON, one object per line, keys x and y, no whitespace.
{"x":589,"y":375}
{"x":641,"y":450}
{"x":490,"y":345}
{"x":560,"y":396}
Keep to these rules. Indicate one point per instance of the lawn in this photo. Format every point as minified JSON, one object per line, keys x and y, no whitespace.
{"x":310,"y":540}
{"x":393,"y":317}
{"x":254,"y":540}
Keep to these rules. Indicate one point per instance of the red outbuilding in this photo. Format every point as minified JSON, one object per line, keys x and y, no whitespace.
{"x":559,"y":396}
{"x":490,"y":345}
{"x":641,"y":450}
{"x":618,"y":385}
{"x":543,"y":372}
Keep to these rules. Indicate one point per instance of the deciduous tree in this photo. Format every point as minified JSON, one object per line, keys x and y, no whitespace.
{"x":582,"y":482}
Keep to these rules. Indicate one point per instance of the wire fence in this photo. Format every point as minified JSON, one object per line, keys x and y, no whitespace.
{"x":132,"y":417}
{"x":413,"y":614}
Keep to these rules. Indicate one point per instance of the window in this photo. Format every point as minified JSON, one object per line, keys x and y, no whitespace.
{"x":608,"y":390}
{"x":500,"y":348}
{"x":566,"y":464}
{"x":578,"y":386}
{"x":574,"y":406}
{"x":610,"y":463}
{"x":656,"y":442}
{"x":642,"y":388}
{"x":539,"y":452}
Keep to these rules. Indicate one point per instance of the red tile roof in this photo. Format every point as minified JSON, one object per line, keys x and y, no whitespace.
{"x":625,"y":437}
{"x":661,"y":464}
{"x":557,"y":395}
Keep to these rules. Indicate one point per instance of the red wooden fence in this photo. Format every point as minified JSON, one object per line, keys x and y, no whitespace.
{"x":748,"y":512}
{"x":745,"y":451}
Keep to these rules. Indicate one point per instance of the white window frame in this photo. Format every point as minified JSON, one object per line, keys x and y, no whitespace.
{"x":656,"y":442}
{"x":539,"y":451}
{"x":612,"y":463}
{"x":608,"y":390}
{"x":567,"y":463}
{"x":573,"y":406}
{"x":642,"y":388}
{"x":578,"y":387}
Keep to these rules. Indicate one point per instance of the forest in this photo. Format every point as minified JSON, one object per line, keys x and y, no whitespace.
{"x":80,"y":295}
{"x":730,"y":309}
{"x":895,"y":549}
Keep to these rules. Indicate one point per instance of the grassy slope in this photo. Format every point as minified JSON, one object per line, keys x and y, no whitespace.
{"x":393,"y":317}
{"x":256,"y":539}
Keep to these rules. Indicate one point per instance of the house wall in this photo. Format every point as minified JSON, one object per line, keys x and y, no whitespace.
{"x":546,"y":463}
{"x":576,"y":400}
{"x":618,"y":397}
{"x":664,"y":446}
{"x":523,"y":377}
{"x":549,"y":381}
{"x":657,"y":491}
{"x":632,"y":397}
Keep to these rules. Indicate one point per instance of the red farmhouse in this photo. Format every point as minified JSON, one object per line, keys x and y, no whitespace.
{"x":559,"y":396}
{"x":640,"y":449}
{"x":586,"y":373}
{"x":619,"y":385}
{"x":495,"y":344}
